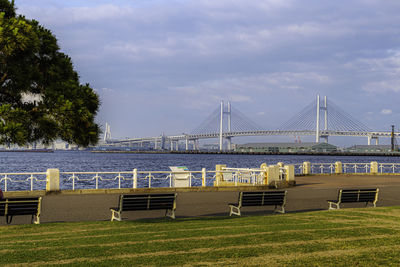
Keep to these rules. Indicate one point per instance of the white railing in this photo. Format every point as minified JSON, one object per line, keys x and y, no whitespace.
{"x":322,"y":167}
{"x":22,"y":180}
{"x":348,"y":167}
{"x":389,"y":167}
{"x":356,"y":167}
{"x":298,"y":168}
{"x":147,"y":179}
{"x":135,"y":179}
{"x":244,"y":175}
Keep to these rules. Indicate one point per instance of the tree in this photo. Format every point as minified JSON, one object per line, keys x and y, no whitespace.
{"x":41,"y":98}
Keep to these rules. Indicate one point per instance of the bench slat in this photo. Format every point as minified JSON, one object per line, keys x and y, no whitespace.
{"x":364,"y":195}
{"x":20,"y":206}
{"x":259,"y":198}
{"x":145,"y":202}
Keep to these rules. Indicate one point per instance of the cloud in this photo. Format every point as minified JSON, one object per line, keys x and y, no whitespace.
{"x":247,"y":88}
{"x":386,"y":111}
{"x":383,"y":86}
{"x":107,"y":90}
{"x":270,"y":56}
{"x":72,"y":15}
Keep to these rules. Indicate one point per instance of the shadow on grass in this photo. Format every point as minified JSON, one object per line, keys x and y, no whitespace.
{"x":217,"y":216}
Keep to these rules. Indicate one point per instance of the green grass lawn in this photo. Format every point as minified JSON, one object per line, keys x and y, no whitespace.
{"x":348,"y":237}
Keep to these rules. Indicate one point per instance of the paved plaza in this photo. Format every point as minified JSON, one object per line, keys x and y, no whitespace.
{"x":310,"y":193}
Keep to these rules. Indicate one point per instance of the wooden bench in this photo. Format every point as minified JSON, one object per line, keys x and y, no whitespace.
{"x":10,"y":207}
{"x":165,"y":202}
{"x":355,"y":195}
{"x":263,"y":198}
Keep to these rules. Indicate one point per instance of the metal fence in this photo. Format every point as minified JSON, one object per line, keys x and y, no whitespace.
{"x":148,"y":179}
{"x":329,"y":168}
{"x":244,"y":176}
{"x":133,"y":179}
{"x":23,"y":181}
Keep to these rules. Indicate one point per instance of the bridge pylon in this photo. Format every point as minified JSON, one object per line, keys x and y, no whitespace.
{"x":107,"y":133}
{"x":221,"y":125}
{"x":318,"y":134}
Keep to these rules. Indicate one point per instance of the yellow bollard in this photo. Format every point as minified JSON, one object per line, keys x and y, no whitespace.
{"x":52,"y":180}
{"x":219,"y":177}
{"x":306,"y":167}
{"x":338,"y":167}
{"x":374,"y":167}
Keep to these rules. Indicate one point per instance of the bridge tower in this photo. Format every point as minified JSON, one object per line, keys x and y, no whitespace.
{"x":107,"y":133}
{"x":318,"y":134}
{"x":229,"y":126}
{"x":221,"y":124}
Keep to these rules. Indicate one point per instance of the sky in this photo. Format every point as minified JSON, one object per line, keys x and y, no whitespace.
{"x":161,"y":66}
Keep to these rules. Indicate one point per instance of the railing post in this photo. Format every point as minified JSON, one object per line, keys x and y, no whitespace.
{"x":53,"y":180}
{"x":5,"y":183}
{"x":237,"y":178}
{"x":264,"y":167}
{"x":306,"y":167}
{"x":134,"y":178}
{"x":289,"y":173}
{"x":203,"y":177}
{"x":273,"y":175}
{"x":149,"y":179}
{"x":31,"y":178}
{"x":374,"y":167}
{"x":338,"y":167}
{"x":97,"y":180}
{"x":218,"y":175}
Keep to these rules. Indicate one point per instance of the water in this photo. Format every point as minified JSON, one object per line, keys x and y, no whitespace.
{"x":75,"y":161}
{"x":87,"y":161}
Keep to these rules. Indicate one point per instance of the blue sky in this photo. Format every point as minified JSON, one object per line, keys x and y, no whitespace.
{"x":163,"y":66}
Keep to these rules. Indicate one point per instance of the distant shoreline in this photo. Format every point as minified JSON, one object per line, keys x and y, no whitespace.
{"x":28,"y":150}
{"x":386,"y":154}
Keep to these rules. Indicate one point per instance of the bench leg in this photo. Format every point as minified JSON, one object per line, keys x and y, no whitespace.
{"x":233,"y":208}
{"x":9,"y":219}
{"x":37,"y":221}
{"x":115,"y":215}
{"x":332,"y":207}
{"x":170,"y":213}
{"x":280,"y":211}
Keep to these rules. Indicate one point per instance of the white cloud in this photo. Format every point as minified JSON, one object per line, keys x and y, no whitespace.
{"x":107,"y":90}
{"x":190,"y":54}
{"x":386,"y":111}
{"x":383,"y":86}
{"x":53,"y":15}
{"x":246,"y":88}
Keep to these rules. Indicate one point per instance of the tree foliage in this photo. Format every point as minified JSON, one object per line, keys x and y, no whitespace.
{"x":41,"y":98}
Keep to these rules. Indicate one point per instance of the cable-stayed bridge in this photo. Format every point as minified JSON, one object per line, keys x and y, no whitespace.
{"x":321,"y":118}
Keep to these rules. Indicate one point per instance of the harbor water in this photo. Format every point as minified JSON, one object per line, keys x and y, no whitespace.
{"x":85,"y":161}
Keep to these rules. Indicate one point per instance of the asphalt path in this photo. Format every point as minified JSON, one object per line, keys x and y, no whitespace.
{"x":310,"y":193}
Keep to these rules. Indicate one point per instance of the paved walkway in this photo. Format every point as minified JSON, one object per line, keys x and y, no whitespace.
{"x":310,"y":193}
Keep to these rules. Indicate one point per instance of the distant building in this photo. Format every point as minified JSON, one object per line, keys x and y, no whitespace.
{"x":210,"y":146}
{"x":370,"y":149}
{"x":285,"y":147}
